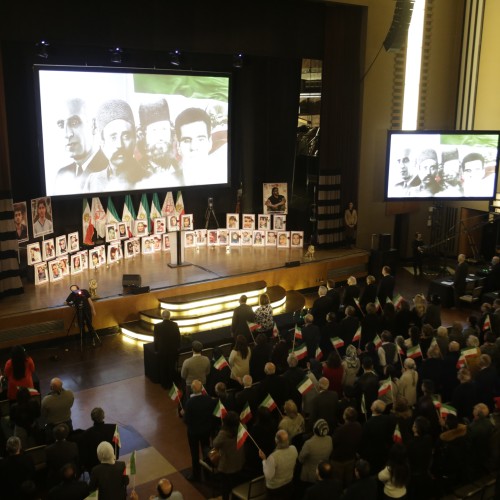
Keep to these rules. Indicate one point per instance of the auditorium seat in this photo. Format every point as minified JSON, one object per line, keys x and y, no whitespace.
{"x":251,"y":490}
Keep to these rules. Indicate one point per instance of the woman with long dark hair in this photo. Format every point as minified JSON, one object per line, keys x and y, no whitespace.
{"x":333,"y":370}
{"x":19,"y":371}
{"x":239,"y":359}
{"x":396,"y":474}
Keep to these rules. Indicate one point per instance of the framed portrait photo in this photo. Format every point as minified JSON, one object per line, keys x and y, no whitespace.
{"x":94,"y":262}
{"x":246,"y":237}
{"x":61,"y":245}
{"x":21,"y":221}
{"x":283,"y":239}
{"x":34,"y":253}
{"x":147,"y":244}
{"x":141,"y":228}
{"x":122,"y":230}
{"x":259,"y":238}
{"x":101,"y":249}
{"x":234,"y":238}
{"x":223,"y":237}
{"x":212,"y":237}
{"x":55,"y":273}
{"x":279,"y":222}
{"x":41,"y":216}
{"x":271,"y":238}
{"x":296,"y":239}
{"x":232,"y":221}
{"x":157,"y":246}
{"x":128,"y":247}
{"x":64,"y":264}
{"x":275,"y":196}
{"x":187,"y":222}
{"x":73,"y":242}
{"x":172,"y":223}
{"x":248,"y":221}
{"x":166,"y":242}
{"x":76,"y":264}
{"x":201,"y":237}
{"x":111,"y":232}
{"x":84,"y":257}
{"x":48,"y":250}
{"x":189,"y":239}
{"x":159,"y":225}
{"x":264,"y":222}
{"x":41,"y":273}
{"x":114,"y":253}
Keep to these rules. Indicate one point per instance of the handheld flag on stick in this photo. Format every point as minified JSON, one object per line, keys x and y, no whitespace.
{"x":358,"y":305}
{"x":446,"y":410}
{"x":319,"y":354}
{"x":221,"y":363}
{"x":246,"y":414}
{"x":299,"y":352}
{"x":241,"y":436}
{"x":464,"y":354}
{"x":357,"y":335}
{"x":396,"y":437}
{"x":305,"y":386}
{"x":276,"y":332}
{"x":298,"y":332}
{"x":377,"y":304}
{"x":414,"y":352}
{"x":385,"y":387}
{"x":487,"y":323}
{"x":337,"y":342}
{"x":397,"y":300}
{"x":116,"y":438}
{"x":377,"y":341}
{"x":220,"y":410}
{"x":175,"y":394}
{"x":269,"y":403}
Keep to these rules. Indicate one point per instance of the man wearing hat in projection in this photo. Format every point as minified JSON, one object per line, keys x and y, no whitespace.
{"x":428,"y":172}
{"x":116,"y":126}
{"x":157,"y":144}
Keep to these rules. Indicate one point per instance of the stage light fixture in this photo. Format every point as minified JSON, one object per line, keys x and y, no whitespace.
{"x":175,"y":58}
{"x":42,"y":49}
{"x":238,"y":60}
{"x":116,"y":55}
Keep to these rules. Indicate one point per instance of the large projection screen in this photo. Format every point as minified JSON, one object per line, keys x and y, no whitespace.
{"x":103,"y":130}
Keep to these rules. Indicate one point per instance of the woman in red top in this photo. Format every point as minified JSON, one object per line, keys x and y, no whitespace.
{"x":19,"y":371}
{"x":334,"y":372}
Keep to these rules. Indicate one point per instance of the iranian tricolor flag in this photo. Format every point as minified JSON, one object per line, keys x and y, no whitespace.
{"x":358,"y":305}
{"x":385,"y":387}
{"x":174,"y":394}
{"x":357,"y":335}
{"x":87,"y":224}
{"x":466,"y":353}
{"x":246,"y":414}
{"x":276,"y":332}
{"x":269,"y":403}
{"x":221,"y":363}
{"x":337,"y":342}
{"x":143,"y":212}
{"x":111,"y":213}
{"x":414,"y":352}
{"x":305,"y":386}
{"x":98,"y":217}
{"x":220,"y":410}
{"x":446,"y":410}
{"x":179,"y":205}
{"x":203,"y":390}
{"x":396,"y":436}
{"x":388,"y":300}
{"x":241,"y":436}
{"x":400,"y":350}
{"x":437,"y":403}
{"x":116,"y":437}
{"x":319,"y":354}
{"x":300,"y":352}
{"x":298,"y":332}
{"x":155,"y":207}
{"x":487,"y":323}
{"x":253,"y":326}
{"x":377,"y":341}
{"x":397,"y":299}
{"x":128,"y":214}
{"x":168,"y":207}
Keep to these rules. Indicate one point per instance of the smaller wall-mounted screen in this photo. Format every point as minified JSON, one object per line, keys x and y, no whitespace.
{"x":105,"y":130}
{"x":451,"y":165}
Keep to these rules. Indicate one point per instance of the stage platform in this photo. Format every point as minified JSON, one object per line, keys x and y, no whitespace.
{"x":40,"y":314}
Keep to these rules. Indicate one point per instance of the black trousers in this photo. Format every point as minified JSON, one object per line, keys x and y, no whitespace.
{"x":195,"y":442}
{"x":84,"y":316}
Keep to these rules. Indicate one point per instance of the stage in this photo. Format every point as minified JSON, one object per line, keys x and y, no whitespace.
{"x":40,"y":314}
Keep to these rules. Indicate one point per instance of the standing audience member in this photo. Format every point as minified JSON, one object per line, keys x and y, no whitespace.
{"x":321,"y":306}
{"x":351,"y":365}
{"x":310,"y":335}
{"x":15,"y":469}
{"x":333,"y":370}
{"x":407,"y":383}
{"x":197,"y":367}
{"x":273,"y":384}
{"x":334,"y":296}
{"x":60,"y":453}
{"x":351,"y":292}
{"x":23,"y":416}
{"x":19,"y":371}
{"x":292,"y":422}
{"x":369,"y":294}
{"x":264,"y":315}
{"x":56,"y":406}
{"x":326,"y":487}
{"x":69,"y":486}
{"x":239,"y":359}
{"x":261,"y":354}
{"x":348,"y":327}
{"x":325,"y":405}
{"x":316,"y":449}
{"x":364,"y":486}
{"x":459,"y":280}
{"x":167,"y":340}
{"x":242,"y":315}
{"x":386,"y":285}
{"x":396,"y":474}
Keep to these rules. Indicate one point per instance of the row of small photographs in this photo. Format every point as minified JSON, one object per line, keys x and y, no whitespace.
{"x":236,"y":237}
{"x":52,"y":248}
{"x":264,"y":221}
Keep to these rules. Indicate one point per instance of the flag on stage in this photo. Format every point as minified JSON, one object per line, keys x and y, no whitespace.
{"x":220,"y":410}
{"x":246,"y":414}
{"x":155,"y":207}
{"x":377,"y":341}
{"x":132,"y":468}
{"x":116,"y":437}
{"x":221,"y":363}
{"x":298,"y":332}
{"x":414,"y":352}
{"x":337,"y":342}
{"x":253,"y":326}
{"x":168,"y":207}
{"x":269,"y":403}
{"x":128,"y":214}
{"x":357,"y":335}
{"x":305,"y":386}
{"x":111,"y":213}
{"x":174,"y":394}
{"x":385,"y":387}
{"x":241,"y":436}
{"x":276,"y":332}
{"x":299,"y":352}
{"x":87,"y":224}
{"x":396,"y":437}
{"x":446,"y":410}
{"x":487,"y":323}
{"x":179,"y":205}
{"x":319,"y":354}
{"x":143,"y":212}
{"x":98,"y":217}
{"x":466,"y":353}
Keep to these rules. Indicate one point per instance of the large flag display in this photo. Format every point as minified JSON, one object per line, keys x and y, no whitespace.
{"x":179,"y":205}
{"x":87,"y":224}
{"x":99,"y":217}
{"x":143,"y":212}
{"x":111,"y":213}
{"x":168,"y":207}
{"x":128,"y":215}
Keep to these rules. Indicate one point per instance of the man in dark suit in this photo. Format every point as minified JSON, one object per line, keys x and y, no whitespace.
{"x":460,"y":278}
{"x":327,"y":488}
{"x":60,"y":453}
{"x":167,"y":340}
{"x":241,"y":315}
{"x":325,"y":405}
{"x":274,"y":385}
{"x":311,"y":335}
{"x":321,"y":306}
{"x":386,"y":286}
{"x":365,"y":486}
{"x":334,"y":296}
{"x":493,"y":279}
{"x":366,"y":387}
{"x":249,"y":394}
{"x":348,"y":327}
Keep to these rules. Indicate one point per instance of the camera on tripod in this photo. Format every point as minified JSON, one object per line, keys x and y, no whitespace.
{"x":210,"y":203}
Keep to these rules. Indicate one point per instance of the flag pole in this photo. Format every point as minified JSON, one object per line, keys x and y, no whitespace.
{"x":399,"y":356}
{"x":253,"y":440}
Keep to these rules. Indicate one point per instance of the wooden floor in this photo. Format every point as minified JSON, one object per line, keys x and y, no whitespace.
{"x":112,"y":376}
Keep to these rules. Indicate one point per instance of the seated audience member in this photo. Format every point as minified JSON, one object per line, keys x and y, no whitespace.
{"x":292,"y":421}
{"x":326,"y":487}
{"x":407,"y":383}
{"x":60,"y":453}
{"x":15,"y":469}
{"x":56,"y":406}
{"x":321,"y":306}
{"x":315,"y":450}
{"x":261,"y":354}
{"x":249,"y":394}
{"x":364,"y":485}
{"x":333,"y":370}
{"x":396,"y":474}
{"x":325,"y":405}
{"x":69,"y":486}
{"x":196,"y":367}
{"x":23,"y":416}
{"x":278,"y":467}
{"x":90,"y":439}
{"x":239,"y":360}
{"x":109,"y":477}
{"x":19,"y":371}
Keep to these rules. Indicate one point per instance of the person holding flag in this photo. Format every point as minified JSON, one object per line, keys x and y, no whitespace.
{"x":310,"y":335}
{"x":239,"y":359}
{"x":242,"y":315}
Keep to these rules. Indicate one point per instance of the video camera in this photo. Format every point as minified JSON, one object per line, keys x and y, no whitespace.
{"x":76,"y":298}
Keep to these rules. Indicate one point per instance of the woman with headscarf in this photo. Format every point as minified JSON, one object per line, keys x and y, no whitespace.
{"x":316,"y":449}
{"x":109,"y":477}
{"x":407,"y":383}
{"x":351,"y":366}
{"x":19,"y":371}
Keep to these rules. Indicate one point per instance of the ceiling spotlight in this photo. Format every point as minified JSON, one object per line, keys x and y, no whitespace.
{"x":116,"y":55}
{"x":238,"y":60}
{"x":42,"y":49}
{"x":175,"y":58}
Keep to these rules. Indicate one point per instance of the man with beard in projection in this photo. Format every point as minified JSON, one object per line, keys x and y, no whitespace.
{"x":157,"y":145}
{"x":199,"y":164}
{"x":77,"y":130}
{"x":116,"y":125}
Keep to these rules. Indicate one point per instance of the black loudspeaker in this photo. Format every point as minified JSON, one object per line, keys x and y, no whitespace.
{"x":378,"y":259}
{"x":398,"y":32}
{"x":135,"y":290}
{"x":384,"y":242}
{"x":292,"y":263}
{"x":131,"y":280}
